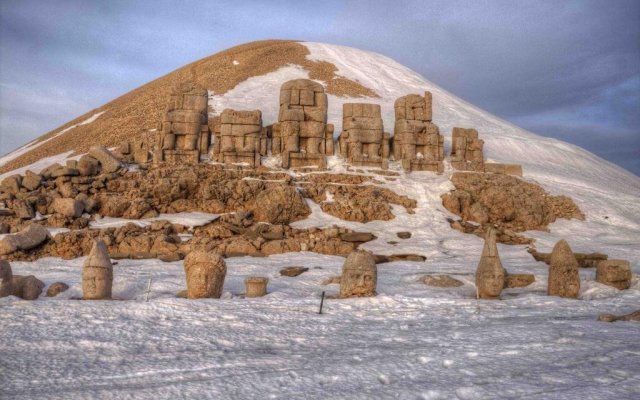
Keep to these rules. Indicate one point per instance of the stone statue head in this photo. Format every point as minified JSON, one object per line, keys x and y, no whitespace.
{"x":359,"y":275}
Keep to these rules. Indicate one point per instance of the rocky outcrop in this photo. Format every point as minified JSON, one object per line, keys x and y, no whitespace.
{"x":359,"y":275}
{"x":564,"y":278}
{"x":490,"y":275}
{"x":205,"y":273}
{"x":97,"y":273}
{"x":506,"y":201}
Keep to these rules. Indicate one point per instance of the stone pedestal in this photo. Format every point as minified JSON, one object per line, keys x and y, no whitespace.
{"x":255,"y":286}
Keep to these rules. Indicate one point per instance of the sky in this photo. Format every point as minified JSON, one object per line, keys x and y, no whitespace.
{"x":563,"y":69}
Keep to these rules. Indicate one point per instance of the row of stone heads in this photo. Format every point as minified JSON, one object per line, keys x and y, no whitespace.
{"x":303,"y":138}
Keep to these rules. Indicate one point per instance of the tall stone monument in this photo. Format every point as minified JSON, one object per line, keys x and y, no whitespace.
{"x":240,"y":138}
{"x":490,"y":275}
{"x":363,"y":141}
{"x":466,"y":150}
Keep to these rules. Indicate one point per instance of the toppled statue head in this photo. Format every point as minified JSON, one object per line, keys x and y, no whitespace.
{"x":359,"y":275}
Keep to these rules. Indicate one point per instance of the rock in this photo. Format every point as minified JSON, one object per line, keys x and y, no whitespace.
{"x":358,"y":237}
{"x":107,"y":161}
{"x":293,"y":271}
{"x":518,"y":280}
{"x":97,"y":273}
{"x":23,"y":209}
{"x":68,"y":207}
{"x":614,"y":273}
{"x":634,"y":316}
{"x":4,"y":228}
{"x":255,"y":286}
{"x":183,"y":294}
{"x":332,"y":280}
{"x":88,"y":166}
{"x":403,"y":235}
{"x":31,"y":181}
{"x":564,"y":278}
{"x":443,"y":281}
{"x":64,"y":171}
{"x":27,"y":287}
{"x":56,"y":288}
{"x":279,"y":204}
{"x":6,"y":279}
{"x":359,"y":275}
{"x":205,"y":272}
{"x":27,"y":239}
{"x":490,"y":275}
{"x":11,"y":184}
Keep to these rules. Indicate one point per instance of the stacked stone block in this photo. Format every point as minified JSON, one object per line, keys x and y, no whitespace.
{"x":302,"y":135}
{"x":363,"y":141}
{"x":184,"y":133}
{"x":240,"y":138}
{"x":466,"y":150}
{"x":417,"y":142}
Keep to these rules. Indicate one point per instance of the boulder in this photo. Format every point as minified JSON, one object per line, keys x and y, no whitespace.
{"x":614,"y":273}
{"x":205,"y":272}
{"x":31,"y":181}
{"x":64,"y":171}
{"x":359,"y":275}
{"x":293,"y":271}
{"x":634,"y":316}
{"x":442,"y":281}
{"x":518,"y":280}
{"x":23,"y":209}
{"x":490,"y":275}
{"x":88,"y":166}
{"x":357,"y":237}
{"x":279,"y":204}
{"x":403,"y":235}
{"x":27,"y":239}
{"x":255,"y":286}
{"x":564,"y":278}
{"x":27,"y":287}
{"x":56,"y":288}
{"x":11,"y":184}
{"x":6,"y":279}
{"x":107,"y":161}
{"x":68,"y":207}
{"x":97,"y":273}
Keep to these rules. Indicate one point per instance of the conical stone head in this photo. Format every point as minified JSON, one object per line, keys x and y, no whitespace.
{"x":97,"y":273}
{"x":564,"y":277}
{"x":359,"y":275}
{"x":490,"y":274}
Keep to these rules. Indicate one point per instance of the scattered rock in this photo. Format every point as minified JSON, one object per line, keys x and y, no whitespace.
{"x":88,"y":166}
{"x":332,"y":280}
{"x":27,"y":239}
{"x":564,"y":278}
{"x":518,"y":280}
{"x":6,"y":279}
{"x":97,"y":273}
{"x":585,"y":260}
{"x":11,"y":184}
{"x":56,"y":288}
{"x":403,"y":235}
{"x":68,"y":207}
{"x":443,"y":281}
{"x":634,"y":316}
{"x":614,"y":273}
{"x":205,"y":273}
{"x":255,"y":286}
{"x":293,"y":271}
{"x":107,"y":161}
{"x":357,"y":237}
{"x":27,"y":287}
{"x":23,"y":209}
{"x":359,"y":275}
{"x":31,"y":181}
{"x":490,"y":275}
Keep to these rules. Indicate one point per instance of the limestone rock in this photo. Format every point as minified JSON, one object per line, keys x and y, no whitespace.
{"x":97,"y":273}
{"x":443,"y":281}
{"x":490,"y":275}
{"x":23,"y":209}
{"x":56,"y":288}
{"x":518,"y":280}
{"x":27,"y":287}
{"x":564,"y":278}
{"x":68,"y":207}
{"x":255,"y":286}
{"x":403,"y":235}
{"x":357,"y":237}
{"x":107,"y":161}
{"x":88,"y":166}
{"x":634,"y":316}
{"x":27,"y":239}
{"x":279,"y":204}
{"x":293,"y":271}
{"x":205,"y":272}
{"x":6,"y":278}
{"x":31,"y":181}
{"x":11,"y":184}
{"x":614,"y":273}
{"x":359,"y":275}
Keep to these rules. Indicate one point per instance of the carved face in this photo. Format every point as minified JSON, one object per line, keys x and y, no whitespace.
{"x":492,"y":282}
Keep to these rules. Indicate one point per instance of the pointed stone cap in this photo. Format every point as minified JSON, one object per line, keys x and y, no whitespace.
{"x":99,"y":255}
{"x":490,"y":248}
{"x":562,"y":256}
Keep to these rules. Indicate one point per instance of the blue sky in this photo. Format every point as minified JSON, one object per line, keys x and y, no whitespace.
{"x":564,"y":69}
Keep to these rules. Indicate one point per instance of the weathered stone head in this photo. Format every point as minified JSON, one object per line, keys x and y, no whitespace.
{"x":490,"y":274}
{"x":359,"y":275}
{"x":205,"y":273}
{"x":97,"y":273}
{"x":564,"y":277}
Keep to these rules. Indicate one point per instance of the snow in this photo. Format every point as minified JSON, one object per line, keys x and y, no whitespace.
{"x":35,"y":143}
{"x":411,"y":341}
{"x":189,"y":219}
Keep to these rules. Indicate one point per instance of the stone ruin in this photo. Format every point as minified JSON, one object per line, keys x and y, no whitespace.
{"x":417,"y":143}
{"x":240,"y":138}
{"x":205,"y":272}
{"x":184,"y":133}
{"x":302,"y":135}
{"x":363,"y":141}
{"x":467,"y":154}
{"x":490,"y":275}
{"x":97,"y":273}
{"x":359,"y":275}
